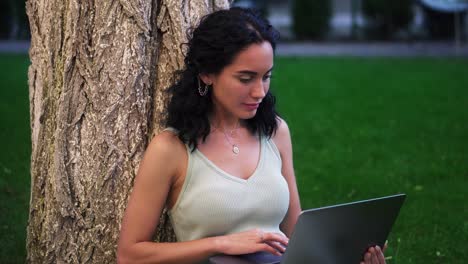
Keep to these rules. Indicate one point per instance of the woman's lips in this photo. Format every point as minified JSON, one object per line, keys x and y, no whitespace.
{"x":253,"y":106}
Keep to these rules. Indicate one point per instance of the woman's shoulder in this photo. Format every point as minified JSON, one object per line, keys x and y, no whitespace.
{"x":282,"y":130}
{"x":281,"y":137}
{"x":167,"y":145}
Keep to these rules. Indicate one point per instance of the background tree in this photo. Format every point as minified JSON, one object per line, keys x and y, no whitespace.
{"x":97,"y":75}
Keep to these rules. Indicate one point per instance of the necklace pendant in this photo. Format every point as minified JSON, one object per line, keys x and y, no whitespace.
{"x":235,"y":149}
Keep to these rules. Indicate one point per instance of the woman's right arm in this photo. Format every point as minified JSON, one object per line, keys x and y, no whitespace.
{"x":161,"y":164}
{"x":164,"y":160}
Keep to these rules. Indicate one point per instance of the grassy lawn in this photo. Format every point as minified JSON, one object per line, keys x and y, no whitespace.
{"x":365,"y":128}
{"x":15,"y":143}
{"x":361,"y":128}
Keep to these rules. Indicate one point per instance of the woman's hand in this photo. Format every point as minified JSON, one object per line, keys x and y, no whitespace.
{"x":374,"y":255}
{"x":252,"y":241}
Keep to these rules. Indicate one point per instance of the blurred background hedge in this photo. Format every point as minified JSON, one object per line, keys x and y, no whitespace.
{"x":311,"y":18}
{"x":441,"y":25}
{"x":385,"y":17}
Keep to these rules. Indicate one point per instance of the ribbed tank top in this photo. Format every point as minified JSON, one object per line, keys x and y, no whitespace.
{"x":212,"y":202}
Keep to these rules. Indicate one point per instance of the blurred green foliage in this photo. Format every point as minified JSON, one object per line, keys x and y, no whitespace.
{"x":13,"y":20}
{"x":387,"y":17}
{"x":311,"y":18}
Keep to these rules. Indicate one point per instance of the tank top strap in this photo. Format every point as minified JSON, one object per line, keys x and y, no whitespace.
{"x":171,"y":129}
{"x":272,"y":147}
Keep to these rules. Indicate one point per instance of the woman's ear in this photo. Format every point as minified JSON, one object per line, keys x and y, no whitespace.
{"x":206,"y":78}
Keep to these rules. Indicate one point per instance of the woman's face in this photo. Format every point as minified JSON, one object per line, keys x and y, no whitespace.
{"x":240,"y":87}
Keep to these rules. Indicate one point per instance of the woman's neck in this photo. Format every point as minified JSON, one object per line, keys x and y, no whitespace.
{"x":226,"y":125}
{"x":224,"y":122}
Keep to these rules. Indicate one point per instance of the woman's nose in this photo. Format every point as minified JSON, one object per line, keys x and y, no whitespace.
{"x":259,"y":90}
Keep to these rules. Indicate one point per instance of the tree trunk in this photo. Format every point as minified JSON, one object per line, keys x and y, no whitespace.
{"x":96,"y":81}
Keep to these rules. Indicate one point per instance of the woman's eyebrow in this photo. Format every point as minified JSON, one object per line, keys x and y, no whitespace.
{"x":247,"y":72}
{"x":252,"y":72}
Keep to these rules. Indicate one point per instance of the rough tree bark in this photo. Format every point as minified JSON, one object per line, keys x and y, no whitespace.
{"x":96,"y":80}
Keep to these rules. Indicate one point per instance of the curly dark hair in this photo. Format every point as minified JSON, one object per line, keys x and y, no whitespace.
{"x":216,"y":41}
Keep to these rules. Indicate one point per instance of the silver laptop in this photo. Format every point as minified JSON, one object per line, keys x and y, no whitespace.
{"x":333,"y":234}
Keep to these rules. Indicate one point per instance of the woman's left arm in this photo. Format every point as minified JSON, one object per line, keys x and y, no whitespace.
{"x":282,"y":140}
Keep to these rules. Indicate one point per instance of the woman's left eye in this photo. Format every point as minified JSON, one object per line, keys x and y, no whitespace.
{"x":245,"y":79}
{"x":267,"y":77}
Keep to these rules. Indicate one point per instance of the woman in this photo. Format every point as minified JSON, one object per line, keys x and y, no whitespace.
{"x":224,"y":166}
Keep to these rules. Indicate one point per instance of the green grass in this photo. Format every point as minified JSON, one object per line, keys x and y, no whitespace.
{"x":361,"y":128}
{"x":365,"y":128}
{"x":15,"y":153}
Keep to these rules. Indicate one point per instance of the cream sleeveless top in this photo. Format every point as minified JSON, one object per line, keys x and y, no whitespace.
{"x":212,"y":202}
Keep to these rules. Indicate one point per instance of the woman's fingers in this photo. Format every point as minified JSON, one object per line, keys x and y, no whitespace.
{"x":266,"y":247}
{"x":277,"y":246}
{"x":373,"y":258}
{"x":276,"y":238}
{"x":276,"y":242}
{"x":368,"y":258}
{"x":271,"y":242}
{"x":374,"y":255}
{"x":380,"y":255}
{"x":254,"y":241}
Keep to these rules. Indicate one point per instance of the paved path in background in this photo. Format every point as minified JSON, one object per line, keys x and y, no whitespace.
{"x":384,"y":49}
{"x":14,"y":47}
